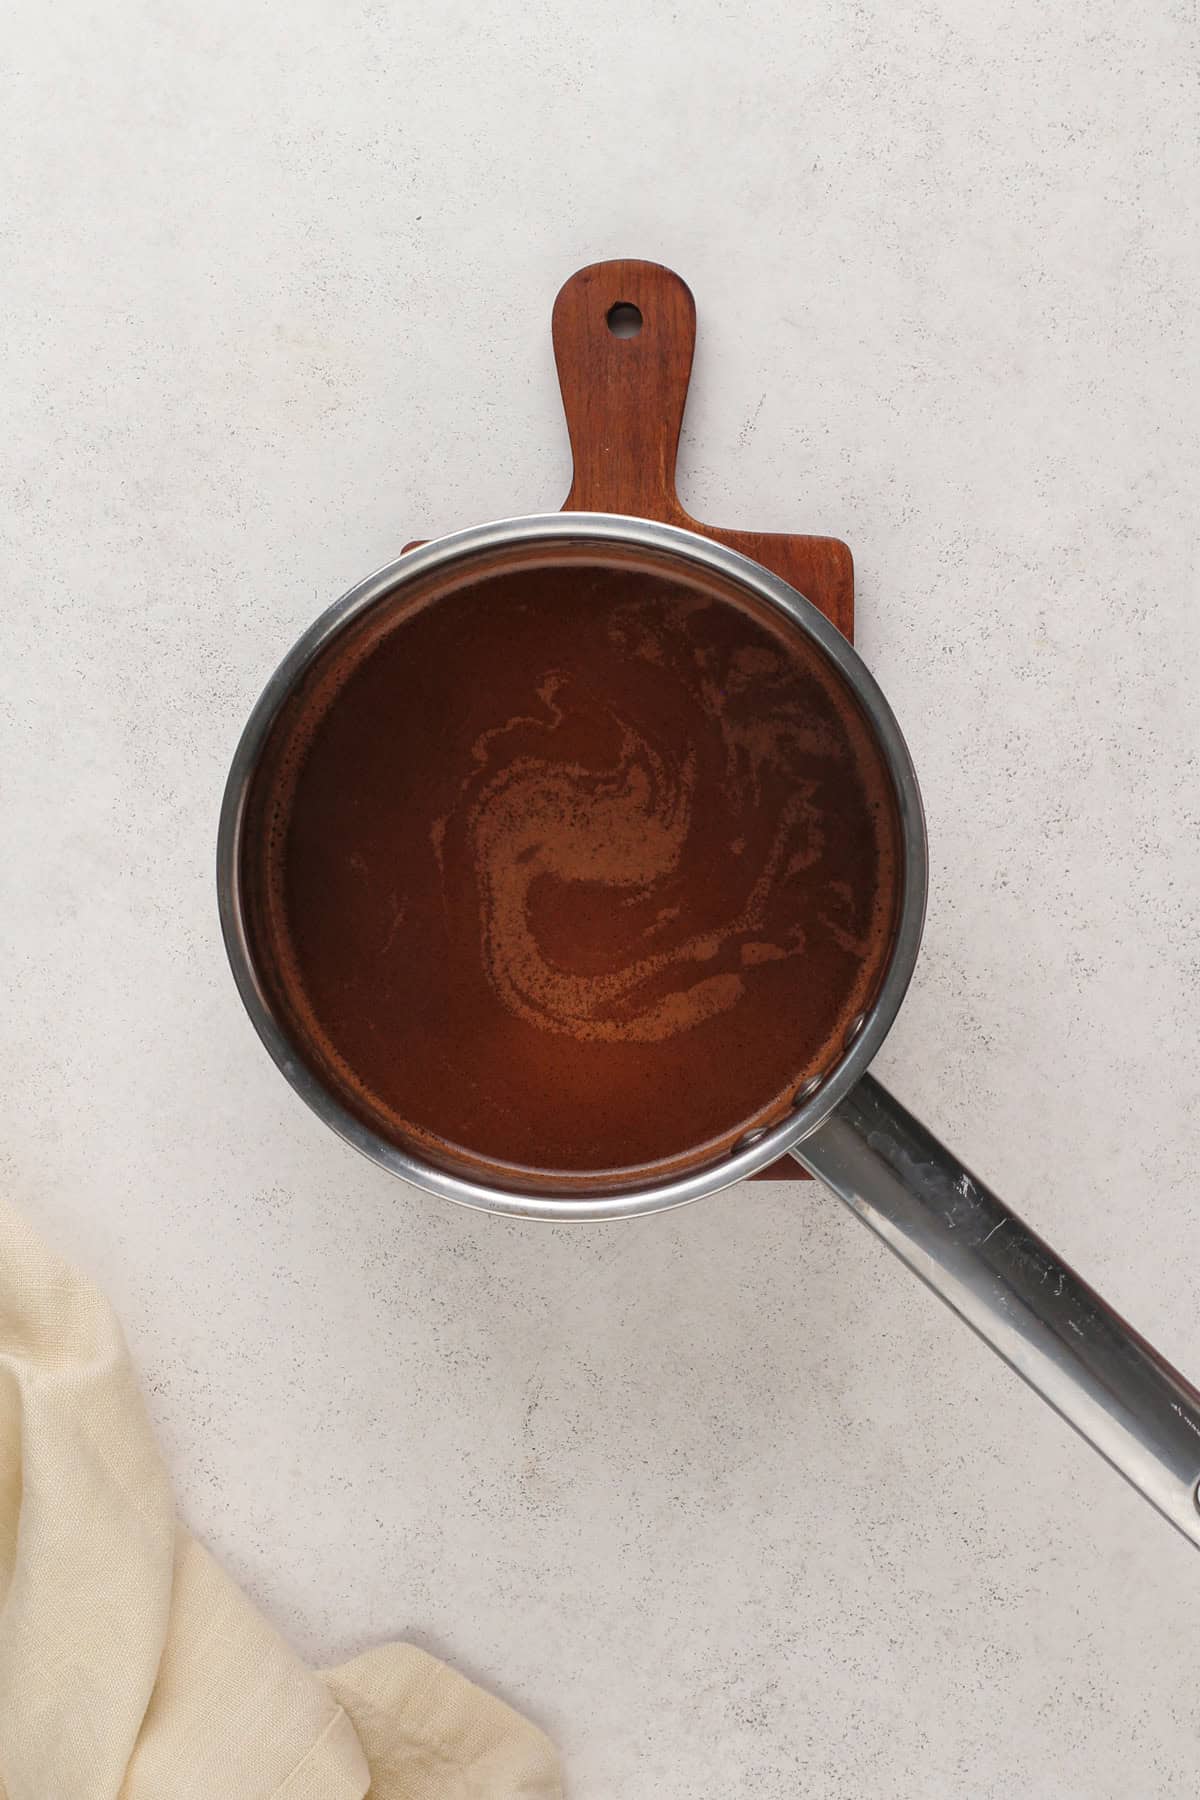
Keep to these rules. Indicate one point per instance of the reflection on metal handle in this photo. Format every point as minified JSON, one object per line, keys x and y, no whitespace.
{"x":1023,"y":1300}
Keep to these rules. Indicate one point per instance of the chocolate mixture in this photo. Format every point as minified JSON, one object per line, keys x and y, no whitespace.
{"x":573,"y":869}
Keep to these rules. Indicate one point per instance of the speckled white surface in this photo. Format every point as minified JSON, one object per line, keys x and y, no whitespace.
{"x":722,"y":1498}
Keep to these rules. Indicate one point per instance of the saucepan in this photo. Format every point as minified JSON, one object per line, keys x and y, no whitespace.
{"x":574,"y":867}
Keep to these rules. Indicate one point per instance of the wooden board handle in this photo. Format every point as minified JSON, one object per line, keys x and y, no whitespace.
{"x":624,"y":394}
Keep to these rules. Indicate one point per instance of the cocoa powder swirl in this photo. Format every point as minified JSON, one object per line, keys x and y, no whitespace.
{"x":575,"y":870}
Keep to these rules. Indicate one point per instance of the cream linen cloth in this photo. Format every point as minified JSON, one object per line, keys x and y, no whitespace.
{"x":131,"y":1666}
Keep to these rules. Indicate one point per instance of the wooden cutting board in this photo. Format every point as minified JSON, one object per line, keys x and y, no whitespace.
{"x":624,"y":336}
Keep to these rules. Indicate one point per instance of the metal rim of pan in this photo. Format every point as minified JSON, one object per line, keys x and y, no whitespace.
{"x":615,"y":532}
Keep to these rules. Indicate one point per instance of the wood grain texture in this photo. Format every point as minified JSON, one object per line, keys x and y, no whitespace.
{"x":624,"y":400}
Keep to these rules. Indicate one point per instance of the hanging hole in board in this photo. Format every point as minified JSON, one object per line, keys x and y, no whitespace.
{"x":624,"y":319}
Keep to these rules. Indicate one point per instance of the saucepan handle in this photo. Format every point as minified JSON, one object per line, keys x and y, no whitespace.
{"x":1022,"y":1299}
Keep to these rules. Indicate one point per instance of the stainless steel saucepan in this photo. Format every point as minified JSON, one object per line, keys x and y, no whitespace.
{"x":1141,"y":1414}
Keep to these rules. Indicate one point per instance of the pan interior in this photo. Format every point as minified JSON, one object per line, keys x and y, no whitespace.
{"x":567,"y":867}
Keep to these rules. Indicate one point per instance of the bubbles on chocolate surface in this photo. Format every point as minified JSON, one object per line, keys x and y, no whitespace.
{"x":582,"y":869}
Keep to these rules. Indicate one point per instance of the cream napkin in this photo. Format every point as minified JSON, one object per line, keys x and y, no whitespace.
{"x":131,"y":1666}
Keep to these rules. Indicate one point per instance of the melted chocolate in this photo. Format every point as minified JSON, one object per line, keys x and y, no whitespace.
{"x":573,"y":869}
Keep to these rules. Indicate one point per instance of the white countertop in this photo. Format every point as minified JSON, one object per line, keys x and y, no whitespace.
{"x":722,"y":1498}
